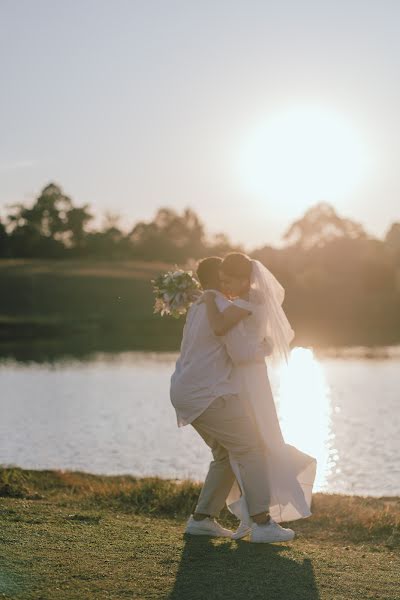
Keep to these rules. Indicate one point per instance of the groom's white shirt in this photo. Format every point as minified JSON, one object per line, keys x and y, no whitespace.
{"x":205,"y":368}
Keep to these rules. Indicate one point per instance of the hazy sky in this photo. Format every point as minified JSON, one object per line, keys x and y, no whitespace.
{"x":133,"y":105}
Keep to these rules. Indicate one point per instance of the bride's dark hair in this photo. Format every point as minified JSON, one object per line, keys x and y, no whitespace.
{"x":236,"y":264}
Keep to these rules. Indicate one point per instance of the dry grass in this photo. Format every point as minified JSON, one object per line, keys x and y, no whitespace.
{"x":71,"y":535}
{"x":353,"y":518}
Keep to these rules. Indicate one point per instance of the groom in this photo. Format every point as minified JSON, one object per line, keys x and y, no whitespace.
{"x":204,"y":393}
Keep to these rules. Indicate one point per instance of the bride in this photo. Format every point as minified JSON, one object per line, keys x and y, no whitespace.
{"x":291,"y":473}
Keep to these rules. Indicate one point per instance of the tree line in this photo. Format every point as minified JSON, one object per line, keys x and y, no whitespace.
{"x":337,"y":277}
{"x":53,"y":227}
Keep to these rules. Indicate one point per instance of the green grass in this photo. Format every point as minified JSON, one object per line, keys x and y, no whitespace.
{"x":68,"y":290}
{"x":80,"y":306}
{"x":67,"y":535}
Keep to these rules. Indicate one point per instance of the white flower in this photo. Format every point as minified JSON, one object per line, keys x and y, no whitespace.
{"x":158,"y":305}
{"x":175,"y":291}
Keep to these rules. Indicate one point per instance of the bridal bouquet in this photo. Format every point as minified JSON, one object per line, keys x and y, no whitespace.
{"x":175,"y":291}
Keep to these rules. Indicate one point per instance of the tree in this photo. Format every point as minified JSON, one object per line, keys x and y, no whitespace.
{"x":77,"y":218}
{"x":392,"y":241}
{"x":219,"y":245}
{"x":110,"y":242}
{"x":169,"y":236}
{"x":48,"y":215}
{"x":50,"y":225}
{"x":319,"y":226}
{"x":4,"y":240}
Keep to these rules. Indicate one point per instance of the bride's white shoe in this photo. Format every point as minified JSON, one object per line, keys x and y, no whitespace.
{"x":270,"y":532}
{"x":241,"y":531}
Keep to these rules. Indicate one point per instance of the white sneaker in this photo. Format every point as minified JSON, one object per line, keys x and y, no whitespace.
{"x":270,"y":532}
{"x":241,"y":531}
{"x":207,"y":526}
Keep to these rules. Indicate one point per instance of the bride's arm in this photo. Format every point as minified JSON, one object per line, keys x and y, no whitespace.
{"x":240,"y":347}
{"x":222,"y":322}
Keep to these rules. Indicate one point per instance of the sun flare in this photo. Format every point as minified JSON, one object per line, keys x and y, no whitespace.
{"x":303,"y":155}
{"x":304,"y":407}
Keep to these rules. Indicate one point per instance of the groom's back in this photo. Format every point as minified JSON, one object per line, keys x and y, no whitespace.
{"x":203,"y":371}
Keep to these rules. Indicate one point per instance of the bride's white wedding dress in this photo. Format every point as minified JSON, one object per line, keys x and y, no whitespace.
{"x":291,"y":473}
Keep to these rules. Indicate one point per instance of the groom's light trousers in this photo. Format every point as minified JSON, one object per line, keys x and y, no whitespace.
{"x":227,"y":426}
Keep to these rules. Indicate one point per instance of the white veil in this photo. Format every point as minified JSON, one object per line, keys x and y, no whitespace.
{"x":266,"y":290}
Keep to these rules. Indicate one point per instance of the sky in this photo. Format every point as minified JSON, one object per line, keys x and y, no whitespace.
{"x":247,"y":111}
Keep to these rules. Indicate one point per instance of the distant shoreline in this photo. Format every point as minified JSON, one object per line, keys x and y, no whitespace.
{"x":109,"y":304}
{"x":78,"y":338}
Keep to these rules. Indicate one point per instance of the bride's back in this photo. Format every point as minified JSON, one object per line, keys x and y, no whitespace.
{"x":255,"y":324}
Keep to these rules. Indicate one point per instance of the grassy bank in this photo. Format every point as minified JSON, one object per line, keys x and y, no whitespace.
{"x":75,"y":535}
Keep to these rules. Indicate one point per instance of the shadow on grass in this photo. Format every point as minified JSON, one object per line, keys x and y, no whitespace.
{"x":212,"y":570}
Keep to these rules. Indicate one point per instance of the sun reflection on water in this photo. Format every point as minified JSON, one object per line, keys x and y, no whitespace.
{"x":303,"y":403}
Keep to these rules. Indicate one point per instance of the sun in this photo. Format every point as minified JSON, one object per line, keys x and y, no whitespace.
{"x":303,"y":155}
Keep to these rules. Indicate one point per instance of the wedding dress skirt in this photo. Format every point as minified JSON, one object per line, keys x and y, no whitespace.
{"x":290,"y":472}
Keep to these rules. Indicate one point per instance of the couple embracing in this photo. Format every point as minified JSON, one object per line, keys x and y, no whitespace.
{"x":221,"y":387}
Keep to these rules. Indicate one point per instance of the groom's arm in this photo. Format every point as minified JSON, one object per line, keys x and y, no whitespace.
{"x":222,"y":314}
{"x":241,"y":347}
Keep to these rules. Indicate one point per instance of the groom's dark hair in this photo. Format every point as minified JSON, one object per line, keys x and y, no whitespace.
{"x":208,"y":272}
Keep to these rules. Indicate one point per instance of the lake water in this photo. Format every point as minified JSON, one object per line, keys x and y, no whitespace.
{"x":111,"y":414}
